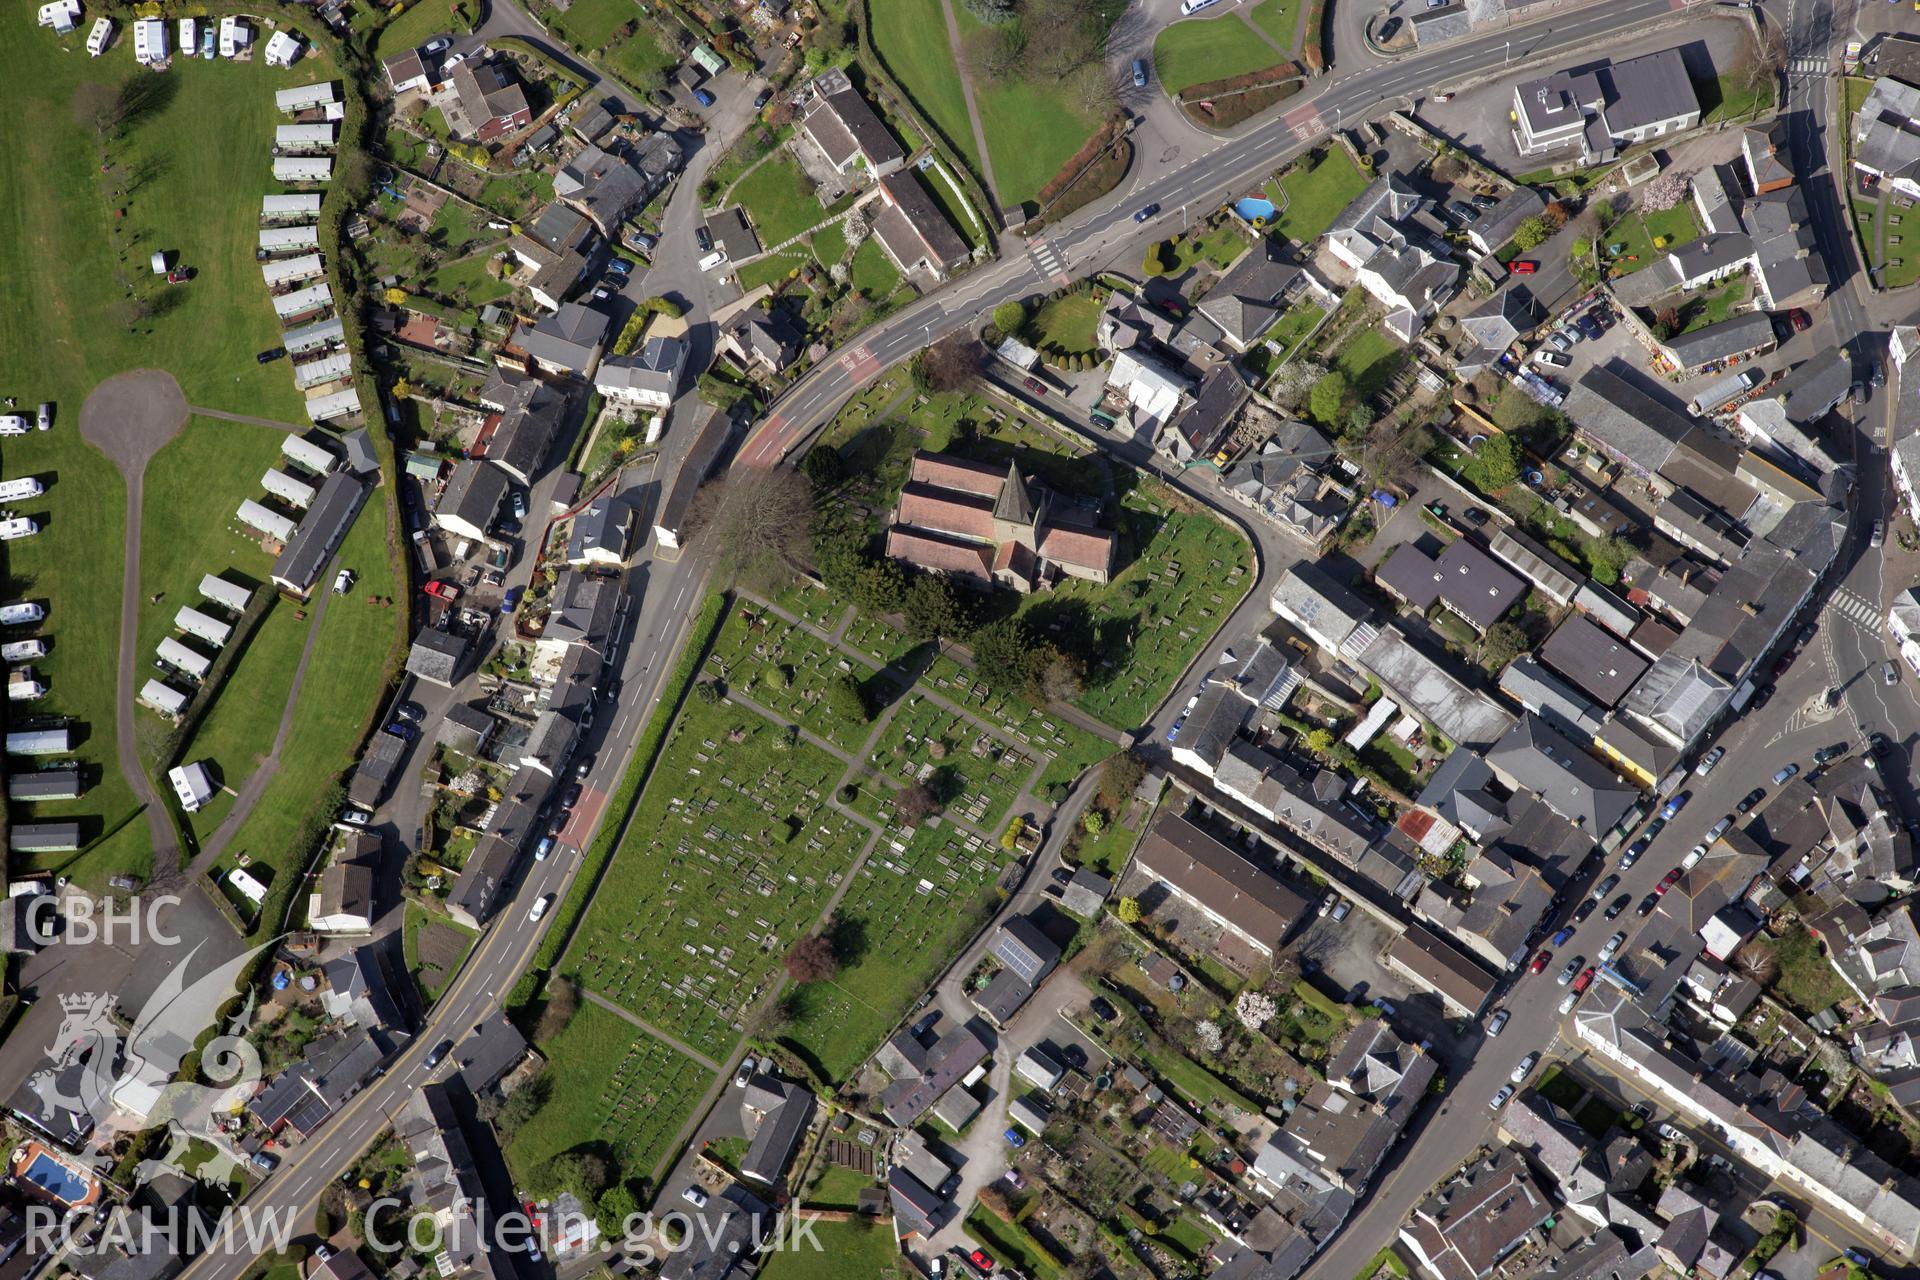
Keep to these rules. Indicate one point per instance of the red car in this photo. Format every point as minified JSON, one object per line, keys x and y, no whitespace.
{"x":1524,"y":266}
{"x":443,"y":590}
{"x":1584,"y":981}
{"x":1036,"y":386}
{"x":1667,"y":882}
{"x":1799,"y":319}
{"x":980,"y":1259}
{"x":1541,"y":961}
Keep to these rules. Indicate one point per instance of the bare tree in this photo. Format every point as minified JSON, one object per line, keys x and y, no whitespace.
{"x":812,"y":960}
{"x":1762,"y":59}
{"x":99,"y":107}
{"x":914,"y":804}
{"x":761,"y":523}
{"x":994,"y":54}
{"x":1094,"y":90}
{"x":1062,"y":36}
{"x":952,"y":363}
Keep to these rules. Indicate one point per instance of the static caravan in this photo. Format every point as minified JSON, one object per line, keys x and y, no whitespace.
{"x":302,"y":169}
{"x":53,"y":783}
{"x":305,"y":97}
{"x":303,"y":302}
{"x":202,"y":626}
{"x":44,"y":837}
{"x":285,"y":487}
{"x":265,"y":520}
{"x":283,"y":49}
{"x":149,"y":41}
{"x":40,"y":742}
{"x":19,"y":527}
{"x":23,"y":650}
{"x":235,"y":36}
{"x":295,"y":138}
{"x":307,"y":455}
{"x":20,"y":612}
{"x":192,"y":784}
{"x":189,"y":36}
{"x":301,"y":206}
{"x":326,"y":369}
{"x":181,"y":658}
{"x":228,"y":595}
{"x":61,"y":15}
{"x":99,"y":37}
{"x":314,"y":337}
{"x":289,"y":239}
{"x":24,"y":686}
{"x":14,"y":490}
{"x":164,"y":698}
{"x":286,"y":271}
{"x":338,"y":404}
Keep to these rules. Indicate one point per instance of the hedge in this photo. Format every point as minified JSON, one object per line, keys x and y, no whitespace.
{"x":706,"y":625}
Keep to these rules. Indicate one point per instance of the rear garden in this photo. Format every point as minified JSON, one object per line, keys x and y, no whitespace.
{"x":1310,"y":193}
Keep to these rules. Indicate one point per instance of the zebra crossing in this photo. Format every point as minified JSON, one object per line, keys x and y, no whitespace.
{"x":1046,"y":255}
{"x":1855,"y":608}
{"x":1807,"y":66}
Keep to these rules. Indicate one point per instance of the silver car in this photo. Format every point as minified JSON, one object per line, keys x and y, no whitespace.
{"x":1612,"y":946}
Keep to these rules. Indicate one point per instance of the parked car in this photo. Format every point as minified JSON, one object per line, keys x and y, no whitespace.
{"x":1474,"y":516}
{"x":1799,"y":319}
{"x":1498,"y":1022}
{"x":1751,"y":799}
{"x":1586,"y":908}
{"x":342,"y":581}
{"x":1834,"y":752}
{"x":1648,"y":903}
{"x":265,"y":1161}
{"x":703,"y":238}
{"x":1500,"y":1098}
{"x":354,"y":817}
{"x":1561,"y":938}
{"x":1569,"y":1000}
{"x":980,"y":1259}
{"x":1606,"y":886}
{"x":704,"y":98}
{"x":1569,"y":969}
{"x":1525,"y":1067}
{"x":1878,"y":744}
{"x":1718,"y":829}
{"x":43,"y":416}
{"x":403,"y":731}
{"x":1674,"y":805}
{"x":1709,"y":760}
{"x":1523,"y":266}
{"x":1103,"y":1009}
{"x":1548,"y":356}
{"x":695,"y":1197}
{"x":1342,"y":909}
{"x":1541,"y":961}
{"x":1667,"y":882}
{"x":440,"y":590}
{"x":439,"y":44}
{"x":1560,"y":342}
{"x":1889,"y":673}
{"x":1879,"y":538}
{"x":1611,"y":947}
{"x":510,"y":601}
{"x":1618,"y":905}
{"x":1634,"y":850}
{"x":1014,"y":1138}
{"x":270,"y":355}
{"x":439,"y":1053}
{"x":1146,"y":213}
{"x":541,"y":850}
{"x":1037,"y":387}
{"x":1139,"y":73}
{"x":1784,"y":772}
{"x":762,"y":98}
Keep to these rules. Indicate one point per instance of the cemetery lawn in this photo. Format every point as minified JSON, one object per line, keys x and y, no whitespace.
{"x":729,"y":859}
{"x":912,"y":904}
{"x":610,"y":1084}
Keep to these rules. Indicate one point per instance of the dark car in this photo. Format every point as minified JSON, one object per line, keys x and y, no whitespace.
{"x":1648,"y":903}
{"x":440,"y":1052}
{"x":1103,"y":1009}
{"x":1062,"y":874}
{"x":411,"y":711}
{"x":1036,"y":386}
{"x":703,"y":238}
{"x":1833,"y":752}
{"x":1618,"y":905}
{"x":507,"y":528}
{"x":570,"y":797}
{"x":271,"y":354}
{"x":1606,"y":886}
{"x":403,"y":731}
{"x":1585,"y":909}
{"x":762,"y":98}
{"x":1474,"y":516}
{"x":1761,"y":697}
{"x":1146,"y":213}
{"x":1751,"y":799}
{"x":1878,"y":744}
{"x":1560,"y":939}
{"x":510,"y":601}
{"x":704,"y":98}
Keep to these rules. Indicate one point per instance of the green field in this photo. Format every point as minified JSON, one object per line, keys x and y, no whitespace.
{"x":729,"y":859}
{"x":1032,"y":129}
{"x":238,"y":730}
{"x":910,"y":908}
{"x":1369,"y":359}
{"x":1312,"y":194}
{"x":188,"y":170}
{"x":780,"y":198}
{"x":911,"y":37}
{"x":610,"y":1085}
{"x":858,"y":1250}
{"x":592,"y":26}
{"x":1202,"y":50}
{"x":1280,"y":19}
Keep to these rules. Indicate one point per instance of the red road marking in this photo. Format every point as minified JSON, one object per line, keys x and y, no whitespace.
{"x":764,"y":443}
{"x":584,"y":815}
{"x":1304,"y":121}
{"x":860,"y":364}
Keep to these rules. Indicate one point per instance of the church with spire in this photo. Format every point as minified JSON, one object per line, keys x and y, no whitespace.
{"x":991,"y":526}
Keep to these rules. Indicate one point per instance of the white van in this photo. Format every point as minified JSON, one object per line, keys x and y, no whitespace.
{"x":713,"y":260}
{"x":1188,"y":7}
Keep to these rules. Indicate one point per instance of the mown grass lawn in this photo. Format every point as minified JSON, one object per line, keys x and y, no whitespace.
{"x":359,"y":643}
{"x":780,"y":199}
{"x":593,"y":26}
{"x":1646,"y":238}
{"x":420,"y":22}
{"x":1731,"y":98}
{"x":600,"y":1069}
{"x":1280,"y":19}
{"x":196,"y":162}
{"x":911,"y":37}
{"x":873,"y":272}
{"x":1067,"y":323}
{"x":858,"y":1250}
{"x":238,"y":730}
{"x":1201,"y":50}
{"x":1032,"y":128}
{"x":1369,"y":359}
{"x":430,"y":977}
{"x":1313,"y":193}
{"x":1295,"y":324}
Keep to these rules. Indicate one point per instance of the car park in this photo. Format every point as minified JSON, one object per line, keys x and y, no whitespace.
{"x":1617,"y":906}
{"x":1569,"y":969}
{"x":1498,"y":1023}
{"x":1781,"y":775}
{"x":1611,"y":947}
{"x":1525,"y":1067}
{"x":1709,"y":760}
{"x":1500,"y":1098}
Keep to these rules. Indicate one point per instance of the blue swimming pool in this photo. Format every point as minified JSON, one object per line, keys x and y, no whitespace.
{"x":54,"y":1178}
{"x":1251,"y":207}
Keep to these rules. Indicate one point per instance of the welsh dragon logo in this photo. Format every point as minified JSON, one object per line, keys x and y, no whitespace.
{"x":130,"y":1085}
